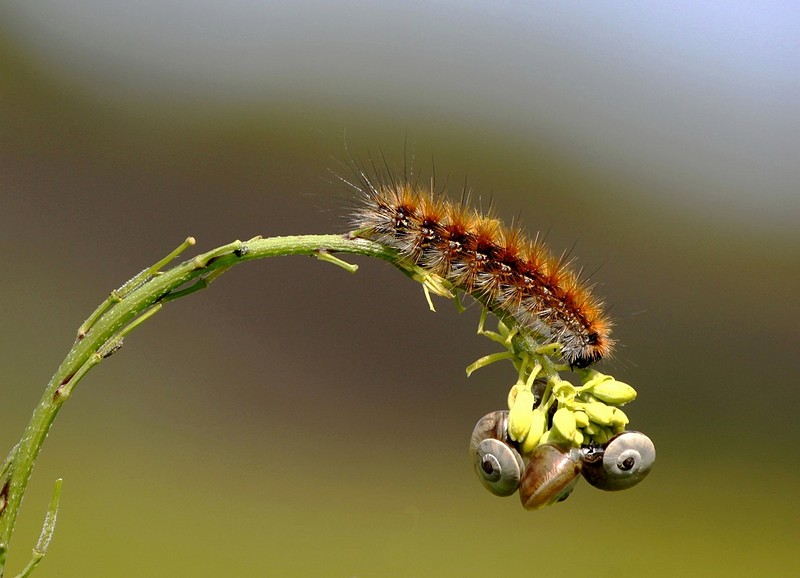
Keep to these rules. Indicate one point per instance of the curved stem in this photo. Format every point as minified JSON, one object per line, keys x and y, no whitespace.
{"x":102,"y":333}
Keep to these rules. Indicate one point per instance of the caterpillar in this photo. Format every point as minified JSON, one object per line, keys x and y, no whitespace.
{"x":512,"y":275}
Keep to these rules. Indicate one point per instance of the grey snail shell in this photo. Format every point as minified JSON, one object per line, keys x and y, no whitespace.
{"x":624,"y":462}
{"x":497,"y":464}
{"x":550,"y":476}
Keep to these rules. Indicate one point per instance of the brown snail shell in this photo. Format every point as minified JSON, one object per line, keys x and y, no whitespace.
{"x":624,"y":462}
{"x":497,"y":464}
{"x":550,"y":476}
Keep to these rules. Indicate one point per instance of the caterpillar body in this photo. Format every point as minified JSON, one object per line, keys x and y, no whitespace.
{"x":512,"y":275}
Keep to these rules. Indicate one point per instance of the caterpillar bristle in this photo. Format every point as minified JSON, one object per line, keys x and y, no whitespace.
{"x":512,"y":275}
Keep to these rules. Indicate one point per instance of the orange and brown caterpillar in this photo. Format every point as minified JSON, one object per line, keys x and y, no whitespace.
{"x":512,"y":275}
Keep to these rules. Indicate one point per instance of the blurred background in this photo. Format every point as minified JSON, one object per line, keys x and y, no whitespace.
{"x":295,"y":420}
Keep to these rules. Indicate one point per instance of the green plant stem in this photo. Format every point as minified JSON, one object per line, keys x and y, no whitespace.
{"x":102,"y":334}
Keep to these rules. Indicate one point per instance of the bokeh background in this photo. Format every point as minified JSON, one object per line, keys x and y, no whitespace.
{"x":295,"y":420}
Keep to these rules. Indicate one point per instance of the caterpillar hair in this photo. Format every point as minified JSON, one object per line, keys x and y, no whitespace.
{"x":512,"y":275}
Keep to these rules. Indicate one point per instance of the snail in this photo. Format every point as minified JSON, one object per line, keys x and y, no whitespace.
{"x":621,"y":463}
{"x":550,"y":476}
{"x":497,"y":464}
{"x":553,"y":471}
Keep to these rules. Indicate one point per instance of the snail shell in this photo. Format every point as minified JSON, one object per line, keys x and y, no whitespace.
{"x":624,"y":462}
{"x":497,"y":464}
{"x":550,"y":476}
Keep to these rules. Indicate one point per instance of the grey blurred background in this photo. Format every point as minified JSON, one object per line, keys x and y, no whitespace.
{"x":295,"y":420}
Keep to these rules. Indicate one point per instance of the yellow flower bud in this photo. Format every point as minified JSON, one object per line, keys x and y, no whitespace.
{"x":545,"y":437}
{"x":512,"y":395}
{"x":620,"y":421}
{"x":581,"y":419}
{"x":520,"y":415}
{"x":593,"y":377}
{"x":599,"y":413}
{"x":619,"y":417}
{"x":538,"y":427}
{"x":564,"y":423}
{"x":612,"y":391}
{"x":564,"y":392}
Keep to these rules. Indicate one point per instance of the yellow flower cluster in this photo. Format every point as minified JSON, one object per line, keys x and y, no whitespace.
{"x":544,"y":408}
{"x":567,"y":414}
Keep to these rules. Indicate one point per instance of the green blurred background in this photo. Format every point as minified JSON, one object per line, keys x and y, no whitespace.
{"x":295,"y":420}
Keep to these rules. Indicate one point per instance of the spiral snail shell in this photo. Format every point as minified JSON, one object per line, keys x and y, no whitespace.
{"x":497,"y":464}
{"x":623,"y":462}
{"x":553,"y":471}
{"x":550,"y":476}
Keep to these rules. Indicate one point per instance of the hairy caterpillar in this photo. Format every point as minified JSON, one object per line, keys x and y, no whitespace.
{"x":498,"y":265}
